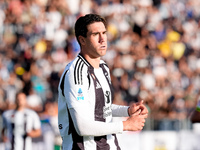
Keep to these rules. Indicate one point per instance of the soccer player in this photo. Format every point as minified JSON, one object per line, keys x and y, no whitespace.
{"x":20,"y":125}
{"x":85,"y":95}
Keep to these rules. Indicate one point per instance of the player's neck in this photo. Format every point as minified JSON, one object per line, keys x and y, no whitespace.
{"x":20,"y":108}
{"x":94,"y":62}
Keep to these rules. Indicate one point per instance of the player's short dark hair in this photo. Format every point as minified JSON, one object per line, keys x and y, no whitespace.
{"x":83,"y":21}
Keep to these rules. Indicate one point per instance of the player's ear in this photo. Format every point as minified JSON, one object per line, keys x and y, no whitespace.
{"x":81,"y":40}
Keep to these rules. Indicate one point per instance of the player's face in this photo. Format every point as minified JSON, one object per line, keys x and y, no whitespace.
{"x":21,"y":100}
{"x":96,"y":40}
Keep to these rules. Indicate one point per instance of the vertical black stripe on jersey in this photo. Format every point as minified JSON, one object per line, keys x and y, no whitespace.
{"x":116,"y":142}
{"x":25,"y":124}
{"x":79,"y":72}
{"x":62,"y":83}
{"x":77,"y":140}
{"x":75,"y":71}
{"x":108,"y":80}
{"x":112,"y":96}
{"x":99,"y":97}
{"x":101,"y":141}
{"x":13,"y":137}
{"x":83,"y":59}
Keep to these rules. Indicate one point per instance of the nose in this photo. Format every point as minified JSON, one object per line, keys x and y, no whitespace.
{"x":102,"y":37}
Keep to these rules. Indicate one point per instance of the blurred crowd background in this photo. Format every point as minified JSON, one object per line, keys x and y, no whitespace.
{"x":153,"y":54}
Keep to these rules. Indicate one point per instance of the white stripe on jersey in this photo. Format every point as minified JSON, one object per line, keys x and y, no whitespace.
{"x":89,"y":143}
{"x":110,"y":141}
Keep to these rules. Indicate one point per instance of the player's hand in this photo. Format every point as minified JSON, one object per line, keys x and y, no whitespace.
{"x":5,"y":139}
{"x":137,"y":106}
{"x":135,"y":122}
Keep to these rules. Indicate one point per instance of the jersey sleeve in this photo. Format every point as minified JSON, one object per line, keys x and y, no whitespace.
{"x":34,"y":121}
{"x":86,"y":127}
{"x":76,"y":94}
{"x":119,"y":111}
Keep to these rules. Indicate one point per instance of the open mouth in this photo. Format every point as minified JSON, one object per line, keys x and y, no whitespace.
{"x":102,"y":47}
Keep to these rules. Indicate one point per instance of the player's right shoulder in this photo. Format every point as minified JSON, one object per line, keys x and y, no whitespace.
{"x":8,"y":113}
{"x":76,"y":70}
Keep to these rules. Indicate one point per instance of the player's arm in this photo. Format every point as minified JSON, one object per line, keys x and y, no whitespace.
{"x":36,"y":130}
{"x":136,"y":113}
{"x":86,"y":127}
{"x":125,"y":111}
{"x":82,"y":113}
{"x":119,"y":110}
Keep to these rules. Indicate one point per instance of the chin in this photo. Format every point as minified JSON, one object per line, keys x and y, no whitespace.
{"x":103,"y":53}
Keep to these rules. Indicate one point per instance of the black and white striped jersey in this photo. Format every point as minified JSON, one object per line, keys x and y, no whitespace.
{"x":85,"y":107}
{"x":17,"y":124}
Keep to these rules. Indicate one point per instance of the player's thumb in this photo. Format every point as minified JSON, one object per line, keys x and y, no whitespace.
{"x":137,"y":112}
{"x":140,"y":102}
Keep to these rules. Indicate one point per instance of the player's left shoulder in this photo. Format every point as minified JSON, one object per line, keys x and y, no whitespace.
{"x":102,"y":62}
{"x":8,"y":113}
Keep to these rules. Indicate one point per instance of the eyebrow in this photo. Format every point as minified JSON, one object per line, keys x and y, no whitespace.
{"x":98,"y":32}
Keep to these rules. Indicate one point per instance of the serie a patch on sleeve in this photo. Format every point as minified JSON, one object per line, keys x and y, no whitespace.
{"x":80,"y":94}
